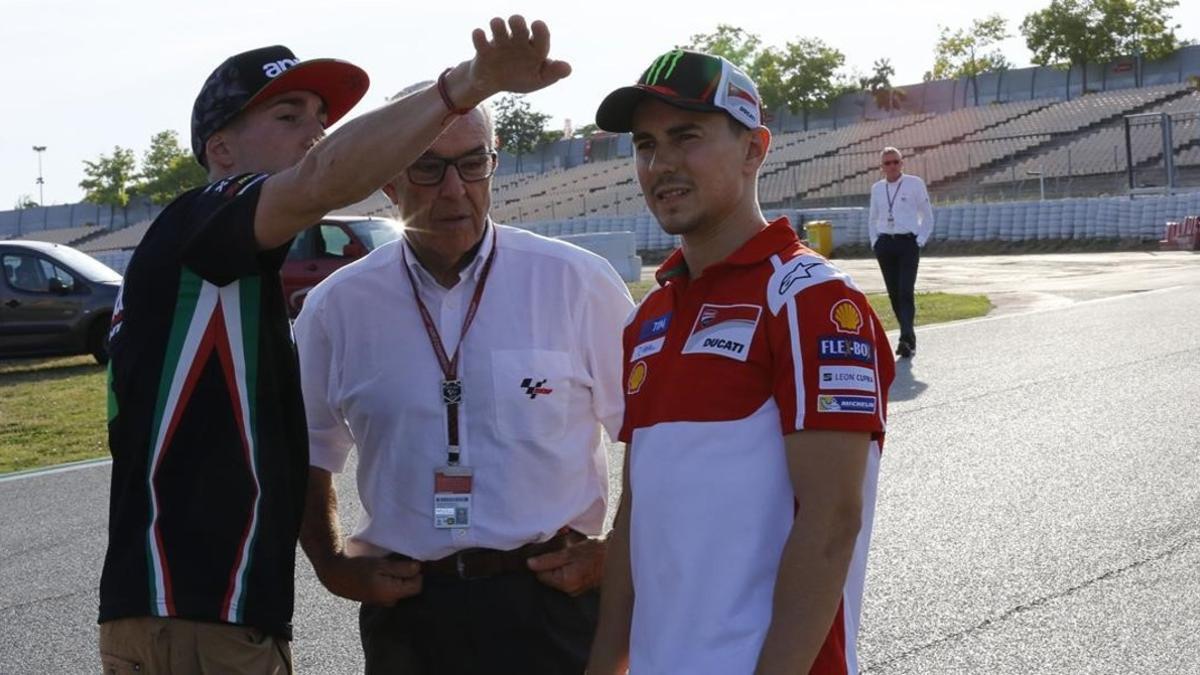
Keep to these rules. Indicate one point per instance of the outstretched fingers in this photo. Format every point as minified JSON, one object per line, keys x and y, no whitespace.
{"x":540,"y":36}
{"x":520,"y":31}
{"x":500,"y":34}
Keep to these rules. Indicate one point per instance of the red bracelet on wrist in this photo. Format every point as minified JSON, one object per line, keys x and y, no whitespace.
{"x":445,"y":94}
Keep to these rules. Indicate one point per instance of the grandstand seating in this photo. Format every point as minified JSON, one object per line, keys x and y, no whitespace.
{"x":986,"y":146}
{"x":127,"y":237}
{"x":1103,"y":150}
{"x":65,"y":235}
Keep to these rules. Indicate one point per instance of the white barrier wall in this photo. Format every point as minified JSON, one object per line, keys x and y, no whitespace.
{"x":616,"y":247}
{"x":1084,"y":218}
{"x":1143,"y":218}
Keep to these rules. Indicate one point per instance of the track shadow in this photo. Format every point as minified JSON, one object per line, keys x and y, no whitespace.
{"x":906,"y":386}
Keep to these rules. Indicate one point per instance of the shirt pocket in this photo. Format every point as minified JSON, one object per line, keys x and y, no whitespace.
{"x":530,"y":388}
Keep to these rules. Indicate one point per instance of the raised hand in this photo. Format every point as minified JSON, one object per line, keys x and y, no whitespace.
{"x":515,"y":59}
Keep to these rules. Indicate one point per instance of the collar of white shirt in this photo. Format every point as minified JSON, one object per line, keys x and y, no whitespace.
{"x":474,"y":268}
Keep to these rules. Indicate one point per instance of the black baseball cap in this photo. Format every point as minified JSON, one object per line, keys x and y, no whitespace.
{"x":686,"y":79}
{"x":252,"y":77}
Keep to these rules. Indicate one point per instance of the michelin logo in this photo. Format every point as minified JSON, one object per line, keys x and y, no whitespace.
{"x":827,"y":403}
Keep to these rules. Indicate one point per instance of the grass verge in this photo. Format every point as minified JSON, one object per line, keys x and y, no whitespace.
{"x":931,"y":307}
{"x":52,"y":410}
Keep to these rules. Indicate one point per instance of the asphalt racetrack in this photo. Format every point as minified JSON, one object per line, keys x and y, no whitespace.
{"x":1039,"y":506}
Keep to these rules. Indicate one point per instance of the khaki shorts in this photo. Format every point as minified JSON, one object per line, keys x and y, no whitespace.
{"x":180,"y":647}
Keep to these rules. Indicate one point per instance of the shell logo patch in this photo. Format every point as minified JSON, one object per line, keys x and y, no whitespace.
{"x":846,"y":317}
{"x":637,"y":377}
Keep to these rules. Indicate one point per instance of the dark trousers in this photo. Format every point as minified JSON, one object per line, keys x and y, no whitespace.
{"x":898,"y":258}
{"x":510,"y":623}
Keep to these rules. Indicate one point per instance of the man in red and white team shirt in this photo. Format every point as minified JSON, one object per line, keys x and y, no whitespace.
{"x":756,"y":379}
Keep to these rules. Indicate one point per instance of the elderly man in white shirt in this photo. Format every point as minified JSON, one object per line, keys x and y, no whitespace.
{"x":900,"y":222}
{"x":472,"y":365}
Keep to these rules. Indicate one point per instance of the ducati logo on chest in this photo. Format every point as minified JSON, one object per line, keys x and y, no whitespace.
{"x":724,"y":330}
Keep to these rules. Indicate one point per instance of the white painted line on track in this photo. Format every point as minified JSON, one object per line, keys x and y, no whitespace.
{"x":51,"y":470}
{"x":1041,"y":310}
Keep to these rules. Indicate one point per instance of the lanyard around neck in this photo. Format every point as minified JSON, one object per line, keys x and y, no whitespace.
{"x":891,"y":198}
{"x":451,"y":383}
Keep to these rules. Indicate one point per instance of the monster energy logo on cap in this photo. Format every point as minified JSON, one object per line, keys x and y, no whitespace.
{"x":665,"y":62}
{"x":686,"y":79}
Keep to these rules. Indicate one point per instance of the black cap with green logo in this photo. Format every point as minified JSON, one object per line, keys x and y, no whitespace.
{"x":686,"y":79}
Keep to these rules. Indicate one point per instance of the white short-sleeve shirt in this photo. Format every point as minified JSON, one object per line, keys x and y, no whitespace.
{"x":540,"y":366}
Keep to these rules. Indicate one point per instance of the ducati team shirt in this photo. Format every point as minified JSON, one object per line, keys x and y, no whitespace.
{"x":718,"y":369}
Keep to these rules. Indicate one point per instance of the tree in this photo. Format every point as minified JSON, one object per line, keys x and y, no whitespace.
{"x":738,"y":46}
{"x":110,"y":178}
{"x":805,"y":72}
{"x":879,"y":85}
{"x":518,"y":127}
{"x":1141,"y":28}
{"x":168,"y":170}
{"x":1079,"y":32}
{"x":968,"y":52}
{"x":26,"y":202}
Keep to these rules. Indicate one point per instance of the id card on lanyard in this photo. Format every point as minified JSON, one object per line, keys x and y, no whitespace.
{"x":453,"y":482}
{"x":891,"y":201}
{"x":452,"y":497}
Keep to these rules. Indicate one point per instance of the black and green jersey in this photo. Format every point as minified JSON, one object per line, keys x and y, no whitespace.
{"x":206,"y":424}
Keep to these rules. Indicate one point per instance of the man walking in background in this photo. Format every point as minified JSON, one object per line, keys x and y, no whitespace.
{"x":899,"y":223}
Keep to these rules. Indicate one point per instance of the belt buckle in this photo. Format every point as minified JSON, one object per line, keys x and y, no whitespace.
{"x":460,"y":568}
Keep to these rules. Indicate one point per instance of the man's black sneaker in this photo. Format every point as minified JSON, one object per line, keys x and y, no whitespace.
{"x":905,"y":350}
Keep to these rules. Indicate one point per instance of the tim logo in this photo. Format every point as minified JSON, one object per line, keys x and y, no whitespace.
{"x":275,"y":68}
{"x":533,"y":389}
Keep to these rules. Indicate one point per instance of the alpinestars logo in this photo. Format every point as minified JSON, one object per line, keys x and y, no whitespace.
{"x":532,"y":389}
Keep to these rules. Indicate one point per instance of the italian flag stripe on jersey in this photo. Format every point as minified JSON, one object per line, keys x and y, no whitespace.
{"x":240,"y":304}
{"x":206,"y":319}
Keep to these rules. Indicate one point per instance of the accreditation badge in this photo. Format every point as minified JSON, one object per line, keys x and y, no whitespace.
{"x":452,"y":497}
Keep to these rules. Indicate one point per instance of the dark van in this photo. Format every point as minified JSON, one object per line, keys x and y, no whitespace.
{"x":54,"y":301}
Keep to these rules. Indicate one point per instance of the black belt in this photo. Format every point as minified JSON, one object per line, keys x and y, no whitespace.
{"x":910,"y":235}
{"x":481,"y":563}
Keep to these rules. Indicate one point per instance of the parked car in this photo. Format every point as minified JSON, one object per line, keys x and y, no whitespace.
{"x":54,"y":301}
{"x":335,"y":242}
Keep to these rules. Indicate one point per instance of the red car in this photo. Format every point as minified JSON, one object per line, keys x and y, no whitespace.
{"x":335,"y":242}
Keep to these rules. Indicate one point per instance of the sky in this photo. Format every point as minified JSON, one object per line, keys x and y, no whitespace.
{"x":82,"y":77}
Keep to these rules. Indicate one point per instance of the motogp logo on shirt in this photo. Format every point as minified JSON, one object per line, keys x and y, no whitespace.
{"x":534,"y":389}
{"x":724,"y":330}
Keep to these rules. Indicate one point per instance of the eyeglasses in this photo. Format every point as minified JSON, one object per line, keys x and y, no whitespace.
{"x":472,"y":168}
{"x":891,"y":162}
